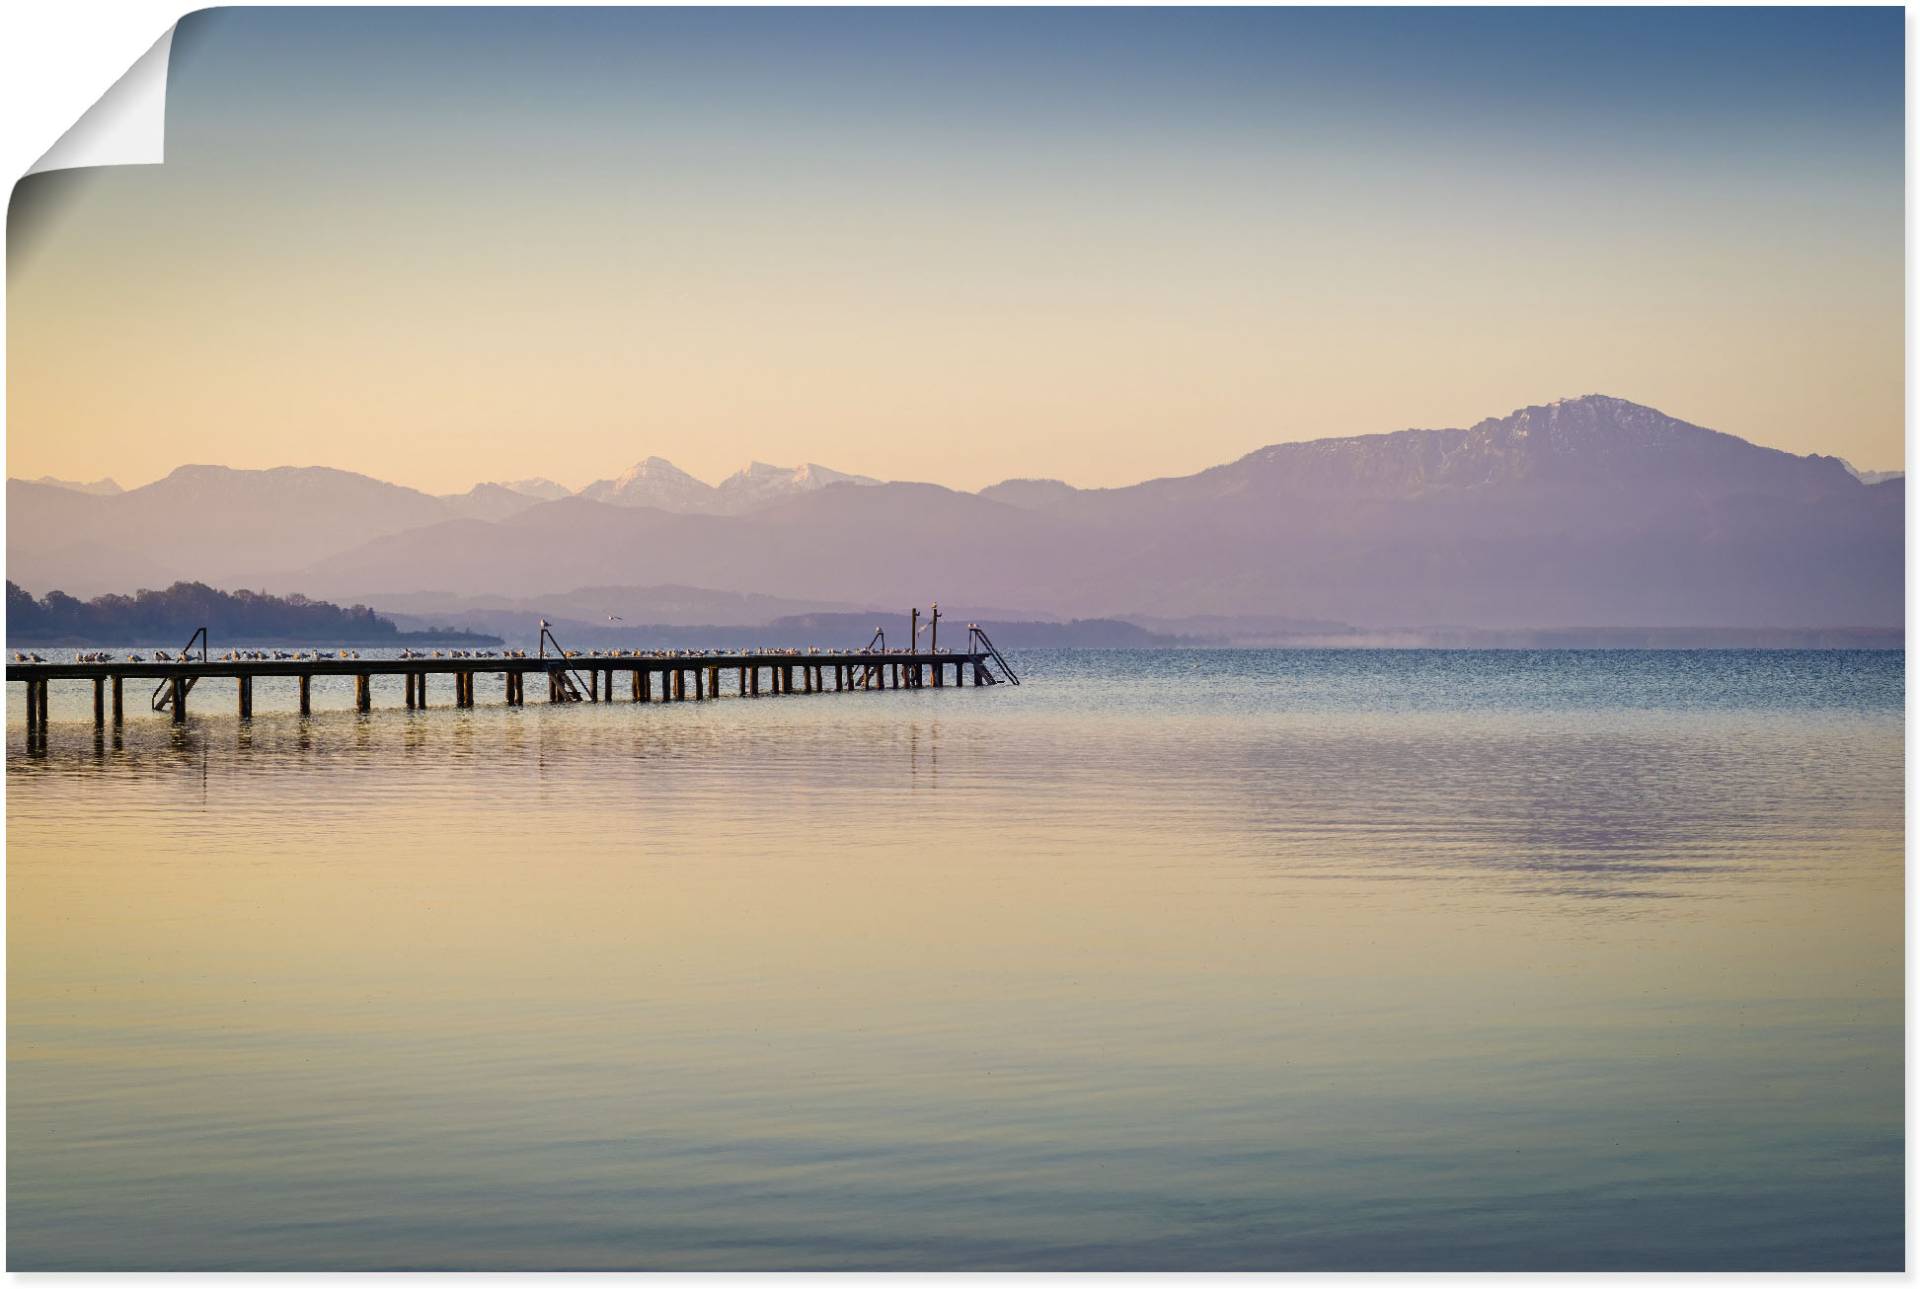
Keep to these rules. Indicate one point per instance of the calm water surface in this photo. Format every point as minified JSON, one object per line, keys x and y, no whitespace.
{"x":1223,"y":960}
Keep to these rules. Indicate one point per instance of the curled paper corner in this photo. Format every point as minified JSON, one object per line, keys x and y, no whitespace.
{"x":126,"y":126}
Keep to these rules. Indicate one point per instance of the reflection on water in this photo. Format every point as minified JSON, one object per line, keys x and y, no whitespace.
{"x":1211,"y":960}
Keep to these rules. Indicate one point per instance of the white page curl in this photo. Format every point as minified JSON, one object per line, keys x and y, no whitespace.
{"x":127,"y":126}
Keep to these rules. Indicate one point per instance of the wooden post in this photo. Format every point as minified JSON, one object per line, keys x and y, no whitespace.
{"x":33,"y":704}
{"x":119,"y":705}
{"x":939,"y":674}
{"x":363,"y":691}
{"x":243,"y":695}
{"x":643,"y":684}
{"x":408,"y":679}
{"x":306,"y":695}
{"x":179,"y":684}
{"x":99,"y":700}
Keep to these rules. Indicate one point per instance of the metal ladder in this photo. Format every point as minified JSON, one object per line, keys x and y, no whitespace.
{"x":974,"y":633}
{"x":568,"y":679}
{"x":162,"y":697}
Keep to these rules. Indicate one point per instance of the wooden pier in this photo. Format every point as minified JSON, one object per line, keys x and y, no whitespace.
{"x":592,"y":678}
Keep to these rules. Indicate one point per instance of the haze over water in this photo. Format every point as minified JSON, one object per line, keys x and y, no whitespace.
{"x":1161,"y":960}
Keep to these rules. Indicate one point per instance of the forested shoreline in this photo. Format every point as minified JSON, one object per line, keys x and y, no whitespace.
{"x":168,"y":617}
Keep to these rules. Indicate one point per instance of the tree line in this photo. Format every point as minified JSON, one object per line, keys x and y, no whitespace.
{"x":168,"y":617}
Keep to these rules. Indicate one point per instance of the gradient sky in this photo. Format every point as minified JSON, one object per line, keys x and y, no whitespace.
{"x":447,"y":245}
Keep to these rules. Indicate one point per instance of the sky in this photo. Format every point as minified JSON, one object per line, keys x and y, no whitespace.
{"x":443,"y":246}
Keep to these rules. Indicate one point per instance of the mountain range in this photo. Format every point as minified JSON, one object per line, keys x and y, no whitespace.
{"x":1591,"y":511}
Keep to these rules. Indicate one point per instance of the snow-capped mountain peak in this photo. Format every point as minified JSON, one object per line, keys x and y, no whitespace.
{"x":656,"y":482}
{"x":543,"y":488}
{"x":760,"y":483}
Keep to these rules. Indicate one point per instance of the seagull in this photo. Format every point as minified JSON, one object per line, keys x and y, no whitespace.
{"x":614,"y":617}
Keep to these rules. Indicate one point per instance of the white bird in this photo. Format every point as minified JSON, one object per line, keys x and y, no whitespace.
{"x":614,"y":617}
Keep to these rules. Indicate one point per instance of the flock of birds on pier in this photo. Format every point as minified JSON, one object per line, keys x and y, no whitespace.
{"x":317,"y":655}
{"x":231,"y":655}
{"x":463,"y":653}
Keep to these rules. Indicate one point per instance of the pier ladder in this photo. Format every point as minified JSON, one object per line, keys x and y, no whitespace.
{"x":162,"y":698}
{"x":974,"y":633}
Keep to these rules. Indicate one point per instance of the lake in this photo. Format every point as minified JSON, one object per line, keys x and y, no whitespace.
{"x":1161,"y":960}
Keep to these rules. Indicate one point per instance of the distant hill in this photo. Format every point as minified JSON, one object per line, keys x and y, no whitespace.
{"x":201,"y":521}
{"x":98,"y":488}
{"x":828,"y":630}
{"x":1587,"y":511}
{"x":665,"y":605}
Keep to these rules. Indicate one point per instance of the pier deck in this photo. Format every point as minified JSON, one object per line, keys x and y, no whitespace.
{"x":645,"y":678}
